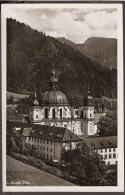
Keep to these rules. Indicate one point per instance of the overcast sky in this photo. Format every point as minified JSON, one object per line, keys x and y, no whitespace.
{"x":74,"y":24}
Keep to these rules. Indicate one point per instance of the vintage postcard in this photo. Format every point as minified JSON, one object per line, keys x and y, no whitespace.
{"x":62,"y":97}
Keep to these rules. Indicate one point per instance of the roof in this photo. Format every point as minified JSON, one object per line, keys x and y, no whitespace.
{"x":19,"y":119}
{"x":101,"y":142}
{"x":54,"y":97}
{"x":97,"y":116}
{"x":27,"y":131}
{"x":58,"y":134}
{"x":11,"y":125}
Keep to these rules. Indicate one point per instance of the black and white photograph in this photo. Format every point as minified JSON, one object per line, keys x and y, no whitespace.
{"x":62,"y":97}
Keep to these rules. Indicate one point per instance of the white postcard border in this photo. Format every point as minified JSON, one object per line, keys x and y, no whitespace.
{"x":120,"y":187}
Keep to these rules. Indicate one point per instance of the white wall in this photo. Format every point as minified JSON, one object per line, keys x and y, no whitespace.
{"x":50,"y":149}
{"x":35,"y":114}
{"x":108,"y":160}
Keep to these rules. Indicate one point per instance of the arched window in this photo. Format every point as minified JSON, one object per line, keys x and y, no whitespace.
{"x":60,"y":112}
{"x":90,"y":114}
{"x":46,"y":112}
{"x":53,"y":113}
{"x":81,"y":114}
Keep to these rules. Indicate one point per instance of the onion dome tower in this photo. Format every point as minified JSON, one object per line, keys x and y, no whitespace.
{"x":53,"y":96}
{"x":35,"y":112}
{"x":54,"y":102}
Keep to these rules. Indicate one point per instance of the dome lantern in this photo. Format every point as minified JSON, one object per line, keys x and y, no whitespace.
{"x":53,"y":82}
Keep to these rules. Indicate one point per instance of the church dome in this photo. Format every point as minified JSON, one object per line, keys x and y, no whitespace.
{"x":54,"y":97}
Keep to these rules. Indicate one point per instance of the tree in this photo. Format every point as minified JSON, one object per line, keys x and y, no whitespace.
{"x":107,"y":126}
{"x":111,"y":178}
{"x":16,"y":143}
{"x":84,"y":164}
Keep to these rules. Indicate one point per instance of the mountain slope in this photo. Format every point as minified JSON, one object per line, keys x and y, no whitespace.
{"x":101,"y":50}
{"x":30,"y":55}
{"x":98,"y":49}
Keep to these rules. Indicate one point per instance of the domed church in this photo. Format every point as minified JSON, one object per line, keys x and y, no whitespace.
{"x":56,"y":111}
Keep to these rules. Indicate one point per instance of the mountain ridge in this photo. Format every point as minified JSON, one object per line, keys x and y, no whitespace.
{"x":100,"y":49}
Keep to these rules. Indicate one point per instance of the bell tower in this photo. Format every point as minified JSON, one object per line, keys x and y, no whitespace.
{"x":35,"y":112}
{"x":88,"y":114}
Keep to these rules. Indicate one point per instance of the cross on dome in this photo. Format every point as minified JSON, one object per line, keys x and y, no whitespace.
{"x":53,"y":70}
{"x":35,"y":93}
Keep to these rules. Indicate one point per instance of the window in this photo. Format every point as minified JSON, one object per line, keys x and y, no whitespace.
{"x":47,"y":149}
{"x":46,"y":112}
{"x":47,"y":141}
{"x":40,"y":140}
{"x":109,"y":149}
{"x":81,"y":116}
{"x":51,"y":142}
{"x":44,"y":141}
{"x":105,"y":150}
{"x":36,"y":116}
{"x":105,"y":156}
{"x":90,"y":114}
{"x":114,"y":149}
{"x":114,"y":155}
{"x":101,"y":150}
{"x":108,"y":162}
{"x":85,"y":114}
{"x":60,"y":112}
{"x":53,"y":113}
{"x":110,"y":155}
{"x":36,"y":110}
{"x":76,"y":112}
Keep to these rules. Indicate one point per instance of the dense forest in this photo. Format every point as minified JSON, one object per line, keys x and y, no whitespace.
{"x":30,"y":55}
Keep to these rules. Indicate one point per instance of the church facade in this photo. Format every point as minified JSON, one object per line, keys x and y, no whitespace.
{"x":56,"y":111}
